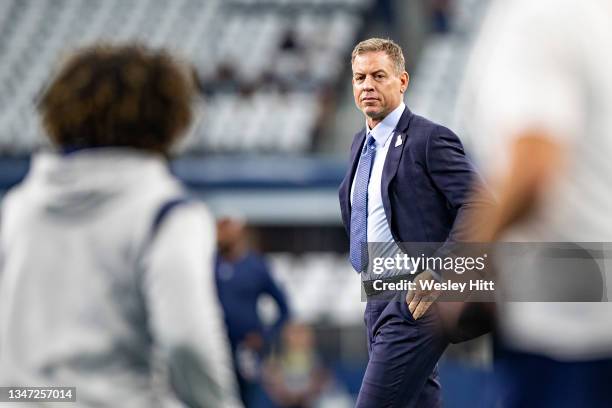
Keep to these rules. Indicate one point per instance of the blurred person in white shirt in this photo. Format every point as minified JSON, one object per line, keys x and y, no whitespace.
{"x":537,"y":100}
{"x":103,"y":255}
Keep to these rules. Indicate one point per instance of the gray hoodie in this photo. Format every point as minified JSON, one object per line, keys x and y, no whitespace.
{"x":91,"y":297}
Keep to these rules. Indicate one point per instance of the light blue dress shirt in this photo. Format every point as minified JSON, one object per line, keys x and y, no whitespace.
{"x":378,"y":227}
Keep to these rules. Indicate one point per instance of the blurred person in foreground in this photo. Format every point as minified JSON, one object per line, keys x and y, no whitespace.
{"x":538,"y":102}
{"x":243,"y":277}
{"x":102,"y":285}
{"x":409,"y":181}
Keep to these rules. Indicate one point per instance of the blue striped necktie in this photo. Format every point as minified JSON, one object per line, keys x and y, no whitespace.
{"x":359,"y":208}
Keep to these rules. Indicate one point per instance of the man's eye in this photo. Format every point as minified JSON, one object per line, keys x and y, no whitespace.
{"x":380,"y":76}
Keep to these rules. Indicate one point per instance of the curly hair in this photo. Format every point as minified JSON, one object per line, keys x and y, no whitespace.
{"x":127,"y":96}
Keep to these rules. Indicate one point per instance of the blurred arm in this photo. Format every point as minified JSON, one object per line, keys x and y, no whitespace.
{"x":527,"y":92}
{"x":536,"y":158}
{"x":277,"y":294}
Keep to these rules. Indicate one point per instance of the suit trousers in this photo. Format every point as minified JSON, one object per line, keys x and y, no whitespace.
{"x":403,"y":356}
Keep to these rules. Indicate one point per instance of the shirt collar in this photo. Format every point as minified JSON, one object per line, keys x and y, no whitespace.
{"x":384,"y":129}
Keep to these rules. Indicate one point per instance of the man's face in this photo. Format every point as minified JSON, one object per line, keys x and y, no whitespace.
{"x":377,"y":87}
{"x":229,"y":232}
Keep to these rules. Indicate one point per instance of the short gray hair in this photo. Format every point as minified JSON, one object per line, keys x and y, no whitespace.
{"x":388,"y":46}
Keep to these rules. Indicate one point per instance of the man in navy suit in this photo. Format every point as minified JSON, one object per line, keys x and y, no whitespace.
{"x":409,"y":181}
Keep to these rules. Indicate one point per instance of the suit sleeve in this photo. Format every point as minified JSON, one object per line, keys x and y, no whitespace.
{"x":456,"y":178}
{"x":185,"y":317}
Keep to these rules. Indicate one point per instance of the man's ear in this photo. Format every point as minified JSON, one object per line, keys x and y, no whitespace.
{"x":405,"y":80}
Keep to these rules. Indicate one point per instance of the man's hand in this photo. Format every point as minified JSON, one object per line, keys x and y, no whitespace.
{"x":421,"y":299}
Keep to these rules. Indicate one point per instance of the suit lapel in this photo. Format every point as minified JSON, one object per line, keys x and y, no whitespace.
{"x":394,"y":155}
{"x":345,"y":188}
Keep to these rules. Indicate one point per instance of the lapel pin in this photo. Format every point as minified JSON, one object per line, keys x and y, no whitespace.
{"x":398,"y":141}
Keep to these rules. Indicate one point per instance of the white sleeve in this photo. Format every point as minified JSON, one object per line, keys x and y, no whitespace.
{"x":525,"y":73}
{"x":185,"y":316}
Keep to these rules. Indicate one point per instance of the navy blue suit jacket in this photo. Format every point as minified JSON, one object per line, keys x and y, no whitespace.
{"x":427,"y":182}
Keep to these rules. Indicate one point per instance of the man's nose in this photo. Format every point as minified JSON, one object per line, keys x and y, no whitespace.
{"x":368,"y":84}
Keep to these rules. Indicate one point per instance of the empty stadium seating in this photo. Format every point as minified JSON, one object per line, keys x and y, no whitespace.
{"x":283,"y":52}
{"x":436,"y":83}
{"x":320,"y":286}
